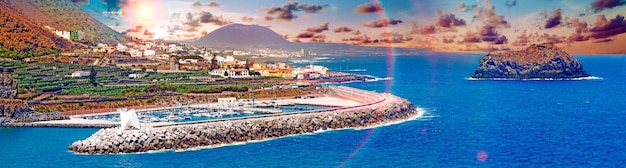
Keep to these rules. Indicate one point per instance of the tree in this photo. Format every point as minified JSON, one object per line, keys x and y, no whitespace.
{"x":92,"y":77}
{"x":154,"y":68}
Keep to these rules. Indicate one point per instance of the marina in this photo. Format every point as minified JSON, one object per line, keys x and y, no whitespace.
{"x":212,"y":111}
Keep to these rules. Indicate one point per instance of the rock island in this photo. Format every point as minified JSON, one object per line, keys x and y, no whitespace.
{"x":542,"y":61}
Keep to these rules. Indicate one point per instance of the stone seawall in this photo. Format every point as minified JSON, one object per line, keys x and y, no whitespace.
{"x":178,"y":137}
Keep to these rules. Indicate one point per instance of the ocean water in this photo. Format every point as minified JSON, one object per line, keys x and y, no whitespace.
{"x":467,"y":124}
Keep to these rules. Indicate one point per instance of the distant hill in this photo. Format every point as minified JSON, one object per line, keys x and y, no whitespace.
{"x":239,"y":36}
{"x":22,"y":32}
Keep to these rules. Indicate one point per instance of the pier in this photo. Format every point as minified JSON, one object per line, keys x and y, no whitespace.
{"x":375,"y":109}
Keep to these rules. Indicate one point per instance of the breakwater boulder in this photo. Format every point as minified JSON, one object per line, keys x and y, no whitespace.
{"x":543,"y":61}
{"x":112,"y":140}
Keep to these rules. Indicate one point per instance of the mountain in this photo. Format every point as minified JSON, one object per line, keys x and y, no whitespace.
{"x":239,"y":36}
{"x":24,"y":27}
{"x":542,"y":61}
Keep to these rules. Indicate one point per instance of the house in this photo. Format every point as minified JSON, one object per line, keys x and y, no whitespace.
{"x":309,"y":75}
{"x":233,"y":73}
{"x":133,"y":76}
{"x":78,"y":74}
{"x":149,"y":53}
{"x":281,"y":73}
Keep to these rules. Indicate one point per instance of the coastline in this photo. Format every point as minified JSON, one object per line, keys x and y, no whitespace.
{"x":388,"y":110}
{"x":535,"y":79}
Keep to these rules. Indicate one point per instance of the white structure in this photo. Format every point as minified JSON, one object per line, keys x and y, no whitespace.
{"x":135,"y":53}
{"x":63,"y":34}
{"x":121,"y":47}
{"x":133,"y":76}
{"x":233,"y":73}
{"x":128,"y":118}
{"x":78,"y":74}
{"x":149,"y":53}
{"x":229,"y":59}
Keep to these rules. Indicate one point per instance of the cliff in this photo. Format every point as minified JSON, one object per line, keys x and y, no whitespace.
{"x":543,"y":61}
{"x":8,"y":86}
{"x":13,"y":110}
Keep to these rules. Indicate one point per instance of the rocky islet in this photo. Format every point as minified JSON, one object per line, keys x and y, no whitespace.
{"x":542,"y":61}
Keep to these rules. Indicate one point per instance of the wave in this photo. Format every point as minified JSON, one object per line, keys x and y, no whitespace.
{"x":375,"y":79}
{"x":356,"y":70}
{"x":322,"y":58}
{"x":538,"y":79}
{"x":420,"y":114}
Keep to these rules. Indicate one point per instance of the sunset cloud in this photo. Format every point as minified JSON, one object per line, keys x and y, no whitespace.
{"x":604,"y":28}
{"x":464,"y":7}
{"x":287,"y":11}
{"x":368,"y":8}
{"x":383,"y":23}
{"x":581,"y":28}
{"x":305,"y":35}
{"x":448,"y":20}
{"x":599,"y":5}
{"x":342,"y":29}
{"x":554,"y":19}
{"x":318,"y":29}
{"x":471,"y":37}
{"x":320,"y":38}
{"x":247,"y":19}
{"x":207,"y":17}
{"x":488,"y":16}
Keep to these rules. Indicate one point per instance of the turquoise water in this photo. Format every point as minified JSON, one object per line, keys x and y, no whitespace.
{"x":507,"y":123}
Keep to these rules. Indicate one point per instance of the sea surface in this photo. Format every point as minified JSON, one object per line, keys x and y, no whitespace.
{"x":467,"y":124}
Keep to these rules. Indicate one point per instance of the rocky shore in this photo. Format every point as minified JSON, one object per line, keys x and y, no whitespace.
{"x":543,"y":61}
{"x":389,"y":109}
{"x":15,"y":113}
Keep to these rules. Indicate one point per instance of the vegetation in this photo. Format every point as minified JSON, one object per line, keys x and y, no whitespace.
{"x":19,"y":40}
{"x":111,"y":81}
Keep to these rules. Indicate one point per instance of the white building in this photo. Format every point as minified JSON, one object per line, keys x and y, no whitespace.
{"x":63,"y":34}
{"x":233,"y":73}
{"x":149,"y":53}
{"x":78,"y":74}
{"x":135,"y":53}
{"x":121,"y":47}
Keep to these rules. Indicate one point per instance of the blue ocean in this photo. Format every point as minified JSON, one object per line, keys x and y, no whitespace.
{"x":467,"y":124}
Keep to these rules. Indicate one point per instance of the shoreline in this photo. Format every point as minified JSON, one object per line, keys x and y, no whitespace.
{"x":382,"y":110}
{"x":535,"y":79}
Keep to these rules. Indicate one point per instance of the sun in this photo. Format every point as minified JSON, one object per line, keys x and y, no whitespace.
{"x":145,"y":10}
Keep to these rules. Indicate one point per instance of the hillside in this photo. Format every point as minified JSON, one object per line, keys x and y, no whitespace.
{"x":22,"y":32}
{"x":242,"y":36}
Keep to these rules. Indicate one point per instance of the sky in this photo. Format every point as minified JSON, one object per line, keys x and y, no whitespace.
{"x":465,"y":24}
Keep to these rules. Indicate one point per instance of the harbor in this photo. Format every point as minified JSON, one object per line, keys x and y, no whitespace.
{"x":362,"y":109}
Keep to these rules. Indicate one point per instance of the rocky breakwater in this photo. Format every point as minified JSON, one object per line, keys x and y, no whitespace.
{"x":210,"y":134}
{"x":543,"y":61}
